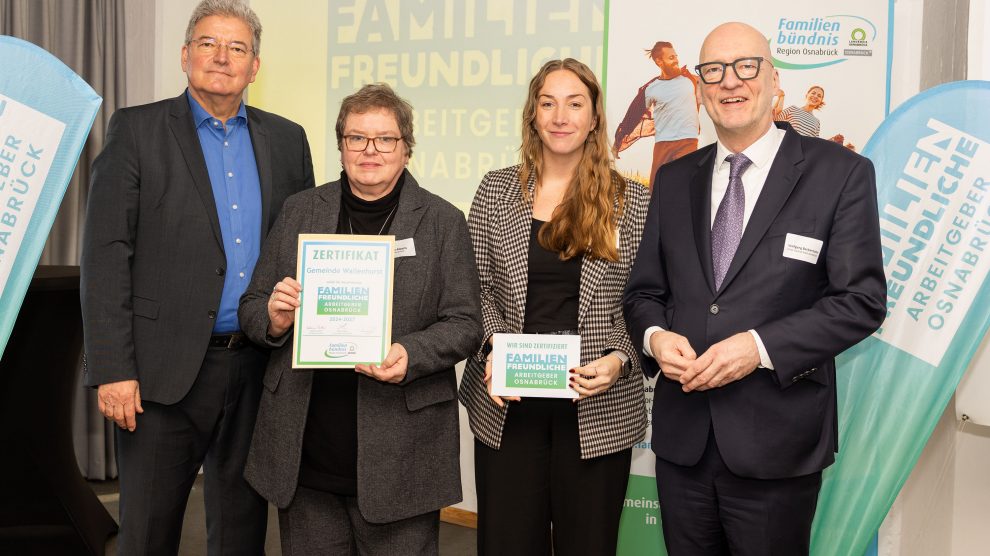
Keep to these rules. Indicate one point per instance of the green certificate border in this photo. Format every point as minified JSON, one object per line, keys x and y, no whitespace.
{"x":311,"y":240}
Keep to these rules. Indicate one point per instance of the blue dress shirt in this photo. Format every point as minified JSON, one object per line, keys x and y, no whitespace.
{"x":233,"y":172}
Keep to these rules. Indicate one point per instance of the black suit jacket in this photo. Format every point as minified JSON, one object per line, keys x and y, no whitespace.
{"x":152,"y":258}
{"x":770,"y":424}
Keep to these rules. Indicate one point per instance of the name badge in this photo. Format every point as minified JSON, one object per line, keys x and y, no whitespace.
{"x":802,"y":248}
{"x":406,"y":248}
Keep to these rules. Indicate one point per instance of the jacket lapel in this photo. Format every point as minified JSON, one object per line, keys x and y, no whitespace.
{"x":181,"y":126}
{"x":784,"y":174}
{"x":700,"y":192}
{"x":263,"y":158}
{"x":325,"y":217}
{"x":410,"y":210}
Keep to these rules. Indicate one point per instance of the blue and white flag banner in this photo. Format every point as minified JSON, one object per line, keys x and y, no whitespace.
{"x":932,"y":158}
{"x":46,"y":112}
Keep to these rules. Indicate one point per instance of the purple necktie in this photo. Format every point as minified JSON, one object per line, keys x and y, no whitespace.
{"x":728,"y":226}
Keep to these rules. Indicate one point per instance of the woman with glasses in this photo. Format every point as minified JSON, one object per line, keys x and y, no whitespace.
{"x":554,"y":238}
{"x":361,"y":461}
{"x":802,"y":118}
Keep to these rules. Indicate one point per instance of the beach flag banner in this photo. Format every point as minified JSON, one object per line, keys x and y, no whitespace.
{"x":46,"y":112}
{"x":932,"y":157}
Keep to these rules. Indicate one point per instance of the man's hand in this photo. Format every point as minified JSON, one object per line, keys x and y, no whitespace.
{"x":673,"y":353}
{"x":393,"y":368}
{"x":120,"y":401}
{"x":727,"y":361}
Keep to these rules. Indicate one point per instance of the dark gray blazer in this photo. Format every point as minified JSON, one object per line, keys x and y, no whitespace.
{"x":408,"y":439}
{"x":152,"y":256}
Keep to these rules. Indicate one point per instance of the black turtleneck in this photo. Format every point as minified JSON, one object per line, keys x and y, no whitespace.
{"x":329,"y":450}
{"x":372,"y":218}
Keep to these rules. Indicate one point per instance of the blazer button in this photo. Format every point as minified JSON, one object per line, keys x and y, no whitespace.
{"x":220,"y":271}
{"x":212,"y":314}
{"x":713,"y":309}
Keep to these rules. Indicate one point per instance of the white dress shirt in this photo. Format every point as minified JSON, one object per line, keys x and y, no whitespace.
{"x":762,"y":154}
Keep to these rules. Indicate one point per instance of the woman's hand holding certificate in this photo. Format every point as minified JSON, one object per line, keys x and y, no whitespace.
{"x":499,"y":400}
{"x":282,"y":306}
{"x":392,"y":369}
{"x":596,"y":377}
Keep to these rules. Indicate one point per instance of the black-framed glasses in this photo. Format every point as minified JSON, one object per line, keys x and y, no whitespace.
{"x":209,"y":46}
{"x":745,"y":68}
{"x":359,"y":143}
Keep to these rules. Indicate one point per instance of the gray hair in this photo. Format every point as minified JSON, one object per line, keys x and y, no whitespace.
{"x":227,"y":8}
{"x":378,"y":96}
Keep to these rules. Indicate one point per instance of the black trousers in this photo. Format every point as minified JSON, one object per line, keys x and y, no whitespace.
{"x":210,"y":427}
{"x":708,"y":510}
{"x":538,"y":479}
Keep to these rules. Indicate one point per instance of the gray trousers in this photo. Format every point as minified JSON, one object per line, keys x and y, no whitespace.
{"x":321,"y":523}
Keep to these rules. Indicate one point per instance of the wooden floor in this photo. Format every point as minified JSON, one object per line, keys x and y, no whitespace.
{"x":455,"y":540}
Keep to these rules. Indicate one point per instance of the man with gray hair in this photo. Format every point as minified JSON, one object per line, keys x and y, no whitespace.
{"x":183,"y":195}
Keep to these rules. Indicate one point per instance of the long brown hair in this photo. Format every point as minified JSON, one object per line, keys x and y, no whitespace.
{"x":585,"y":221}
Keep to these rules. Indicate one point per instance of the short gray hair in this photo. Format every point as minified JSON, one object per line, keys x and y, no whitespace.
{"x":227,"y":8}
{"x":378,"y":96}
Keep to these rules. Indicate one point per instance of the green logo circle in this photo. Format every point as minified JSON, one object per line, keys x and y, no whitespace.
{"x":858,"y":34}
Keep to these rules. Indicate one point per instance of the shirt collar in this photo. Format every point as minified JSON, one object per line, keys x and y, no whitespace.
{"x":200,"y":114}
{"x":760,"y":153}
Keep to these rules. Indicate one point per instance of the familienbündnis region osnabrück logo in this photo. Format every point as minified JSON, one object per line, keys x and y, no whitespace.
{"x":816,"y":42}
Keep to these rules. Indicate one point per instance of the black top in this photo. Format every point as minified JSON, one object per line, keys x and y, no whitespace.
{"x":553,"y":290}
{"x":329,"y":449}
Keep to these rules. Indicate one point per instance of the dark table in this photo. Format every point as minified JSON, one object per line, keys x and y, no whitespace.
{"x":46,"y":507}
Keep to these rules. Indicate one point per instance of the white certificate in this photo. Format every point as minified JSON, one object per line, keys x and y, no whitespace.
{"x":534,"y":365}
{"x":345,"y":314}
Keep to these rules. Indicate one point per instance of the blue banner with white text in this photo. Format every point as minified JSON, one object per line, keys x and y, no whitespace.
{"x":46,"y":112}
{"x":932,"y":157}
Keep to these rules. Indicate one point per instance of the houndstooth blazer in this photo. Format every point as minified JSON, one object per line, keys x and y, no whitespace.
{"x":500,"y":225}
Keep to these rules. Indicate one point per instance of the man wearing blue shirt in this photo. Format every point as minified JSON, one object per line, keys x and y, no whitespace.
{"x":182,"y":198}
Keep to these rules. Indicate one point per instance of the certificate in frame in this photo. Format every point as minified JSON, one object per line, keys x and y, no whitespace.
{"x":345,"y":313}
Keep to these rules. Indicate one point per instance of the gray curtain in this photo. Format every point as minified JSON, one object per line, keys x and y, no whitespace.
{"x":88,"y":36}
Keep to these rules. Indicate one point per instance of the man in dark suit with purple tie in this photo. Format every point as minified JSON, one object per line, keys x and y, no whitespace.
{"x":760,"y":262}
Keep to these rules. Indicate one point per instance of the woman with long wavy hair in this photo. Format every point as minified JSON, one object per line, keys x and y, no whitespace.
{"x":554,"y":238}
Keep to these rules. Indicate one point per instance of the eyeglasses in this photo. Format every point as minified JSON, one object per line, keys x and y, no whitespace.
{"x":745,"y":68}
{"x":360,"y":142}
{"x":208,"y":46}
